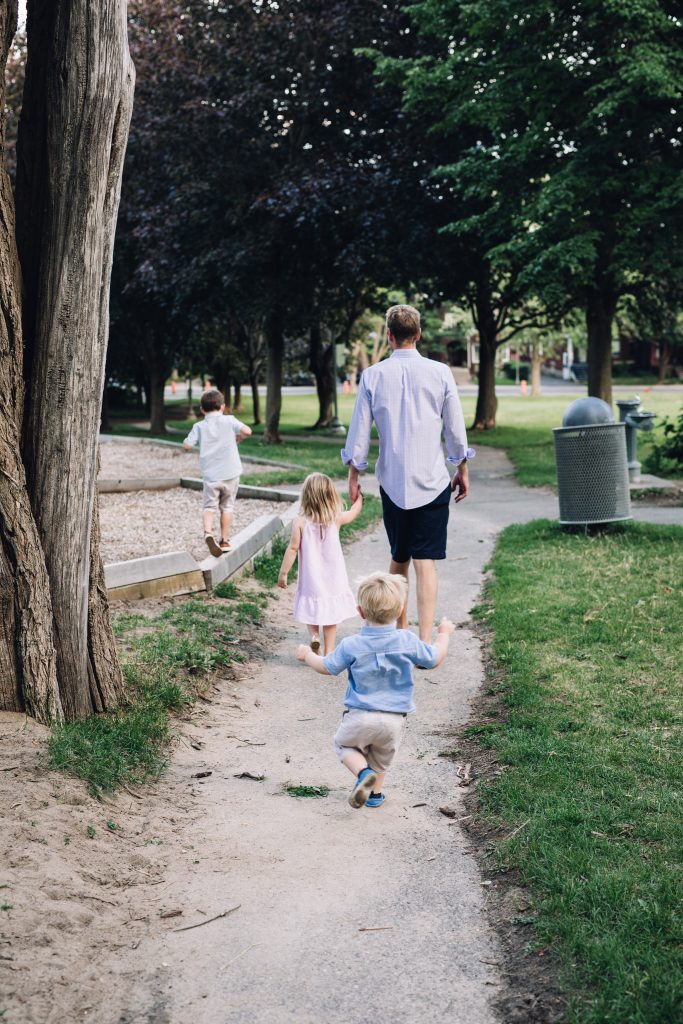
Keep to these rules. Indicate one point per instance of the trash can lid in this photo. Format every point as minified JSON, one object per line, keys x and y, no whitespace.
{"x":586,"y":412}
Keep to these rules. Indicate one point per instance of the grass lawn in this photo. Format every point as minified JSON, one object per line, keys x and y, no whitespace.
{"x":524,"y":431}
{"x":586,"y":637}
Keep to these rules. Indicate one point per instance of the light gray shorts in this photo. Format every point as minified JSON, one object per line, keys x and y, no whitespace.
{"x":376,"y":734}
{"x":220,"y":494}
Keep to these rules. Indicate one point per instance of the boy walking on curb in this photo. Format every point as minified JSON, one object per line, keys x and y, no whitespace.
{"x":220,"y":464}
{"x":379,"y":694}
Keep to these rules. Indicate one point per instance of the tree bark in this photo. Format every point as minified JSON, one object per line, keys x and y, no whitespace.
{"x":237,"y":404}
{"x":600,"y":309}
{"x":536,"y":362}
{"x":104,"y":671}
{"x":72,"y":135}
{"x":321,"y":364}
{"x":255,"y":400}
{"x":28,"y":668}
{"x":157,"y":411}
{"x":275,"y":352}
{"x":487,"y":403}
{"x":664,"y":358}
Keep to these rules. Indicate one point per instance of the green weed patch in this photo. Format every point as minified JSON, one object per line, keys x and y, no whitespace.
{"x":307,"y":791}
{"x":586,"y":633}
{"x":163,"y":668}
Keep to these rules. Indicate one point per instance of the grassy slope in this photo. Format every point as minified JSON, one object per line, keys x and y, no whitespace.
{"x":587,"y":632}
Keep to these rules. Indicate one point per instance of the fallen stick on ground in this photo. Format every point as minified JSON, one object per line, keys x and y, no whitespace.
{"x":209,"y":920}
{"x":379,"y":928}
{"x":253,"y":946}
{"x":518,"y":829}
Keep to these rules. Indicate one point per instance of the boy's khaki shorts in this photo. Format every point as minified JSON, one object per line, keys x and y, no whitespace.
{"x":376,"y":734}
{"x":220,"y":494}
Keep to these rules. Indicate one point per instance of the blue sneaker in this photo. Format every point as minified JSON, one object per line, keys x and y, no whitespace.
{"x":363,"y":788}
{"x":374,"y":800}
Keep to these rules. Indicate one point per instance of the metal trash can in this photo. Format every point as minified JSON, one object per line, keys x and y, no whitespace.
{"x":592,"y":472}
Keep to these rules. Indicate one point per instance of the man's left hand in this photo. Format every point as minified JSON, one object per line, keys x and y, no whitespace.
{"x":460,"y":484}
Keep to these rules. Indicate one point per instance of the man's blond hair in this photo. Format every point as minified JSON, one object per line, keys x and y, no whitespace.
{"x":382,"y":597}
{"x":404,"y":323}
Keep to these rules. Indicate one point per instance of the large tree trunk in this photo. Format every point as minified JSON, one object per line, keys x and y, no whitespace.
{"x":321,"y":363}
{"x":487,"y":403}
{"x":237,"y":403}
{"x":157,"y":385}
{"x":28,"y":666}
{"x":600,"y":309}
{"x":73,"y":130}
{"x":275,"y":353}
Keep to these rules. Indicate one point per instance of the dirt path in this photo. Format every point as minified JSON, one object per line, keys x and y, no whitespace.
{"x":86,"y":935}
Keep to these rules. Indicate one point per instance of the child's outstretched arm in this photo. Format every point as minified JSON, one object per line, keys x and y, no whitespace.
{"x":192,"y":438}
{"x":353,"y":512}
{"x":314,"y":661}
{"x":290,"y":555}
{"x":245,"y":431}
{"x":446,"y":627}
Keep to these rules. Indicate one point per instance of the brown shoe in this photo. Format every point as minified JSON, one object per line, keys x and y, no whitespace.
{"x":225,"y":545}
{"x":315,"y":644}
{"x":212,"y":546}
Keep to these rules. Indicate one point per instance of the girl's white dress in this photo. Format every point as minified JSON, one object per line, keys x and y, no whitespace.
{"x":323,"y":595}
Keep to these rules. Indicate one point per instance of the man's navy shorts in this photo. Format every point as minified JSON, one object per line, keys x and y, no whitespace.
{"x":417,"y":532}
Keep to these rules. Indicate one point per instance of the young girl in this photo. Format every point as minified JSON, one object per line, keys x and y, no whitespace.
{"x":323,"y":596}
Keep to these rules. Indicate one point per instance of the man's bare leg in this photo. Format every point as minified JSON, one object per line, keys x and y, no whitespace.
{"x":402,"y":569}
{"x":427,"y":587}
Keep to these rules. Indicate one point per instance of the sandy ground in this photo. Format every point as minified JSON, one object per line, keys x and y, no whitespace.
{"x":89,"y":926}
{"x":140,"y":523}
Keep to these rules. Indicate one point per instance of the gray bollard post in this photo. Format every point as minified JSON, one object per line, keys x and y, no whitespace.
{"x":635,"y":419}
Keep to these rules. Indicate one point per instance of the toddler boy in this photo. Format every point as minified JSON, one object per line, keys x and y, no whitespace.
{"x":220,"y":463}
{"x":379,"y":694}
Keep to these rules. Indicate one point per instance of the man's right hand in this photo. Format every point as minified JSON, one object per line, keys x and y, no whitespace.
{"x":461,"y":482}
{"x":354,"y":486}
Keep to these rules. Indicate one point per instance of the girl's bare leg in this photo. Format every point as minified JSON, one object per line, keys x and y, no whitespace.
{"x":315,"y":637}
{"x":330,"y":638}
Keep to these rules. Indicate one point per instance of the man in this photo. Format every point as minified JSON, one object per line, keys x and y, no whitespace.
{"x":410,"y":399}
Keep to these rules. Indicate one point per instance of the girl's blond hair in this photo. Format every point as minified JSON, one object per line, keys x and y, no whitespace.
{"x":320,"y":500}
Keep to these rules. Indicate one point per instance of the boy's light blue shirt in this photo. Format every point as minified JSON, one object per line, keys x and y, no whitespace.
{"x":380,"y":663}
{"x":218,"y":455}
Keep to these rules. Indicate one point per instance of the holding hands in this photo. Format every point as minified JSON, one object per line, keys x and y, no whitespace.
{"x":446,"y":626}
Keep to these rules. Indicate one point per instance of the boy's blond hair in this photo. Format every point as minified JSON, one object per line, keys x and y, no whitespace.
{"x":403,"y":322}
{"x":382,"y":597}
{"x":320,"y":500}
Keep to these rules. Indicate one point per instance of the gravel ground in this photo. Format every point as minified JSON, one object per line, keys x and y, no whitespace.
{"x":142,"y":523}
{"x":120,"y":460}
